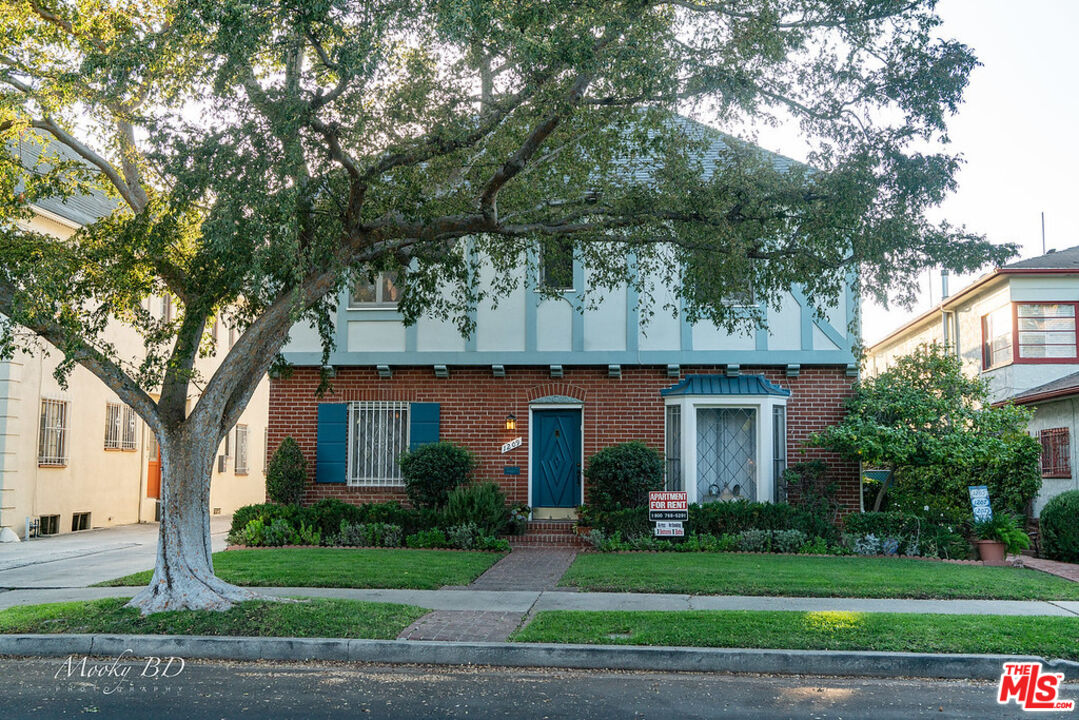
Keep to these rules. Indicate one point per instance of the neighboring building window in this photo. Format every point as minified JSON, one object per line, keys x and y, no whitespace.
{"x":241,"y":450}
{"x":378,"y":434}
{"x":674,"y":447}
{"x":556,"y":264}
{"x":166,"y":308}
{"x":1046,"y":330}
{"x":1056,"y":450}
{"x":384,"y":291}
{"x":119,"y":427}
{"x":52,"y":441}
{"x":997,"y":337}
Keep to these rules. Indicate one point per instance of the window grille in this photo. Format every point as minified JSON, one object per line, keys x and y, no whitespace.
{"x":241,"y":450}
{"x":52,"y":441}
{"x":1056,"y":448}
{"x":120,"y":427}
{"x":726,"y":454}
{"x":378,"y":434}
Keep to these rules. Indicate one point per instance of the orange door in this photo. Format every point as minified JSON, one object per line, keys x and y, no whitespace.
{"x":153,"y":470}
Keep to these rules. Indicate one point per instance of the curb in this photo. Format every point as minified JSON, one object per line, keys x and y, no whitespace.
{"x":596,"y":657}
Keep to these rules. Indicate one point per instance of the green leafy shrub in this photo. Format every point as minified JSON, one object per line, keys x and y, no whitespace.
{"x":278,"y":533}
{"x":431,"y":471}
{"x":483,"y":504}
{"x":427,"y":539}
{"x":810,"y":487}
{"x":305,"y":535}
{"x":788,"y":541}
{"x":286,"y":473}
{"x":815,"y":546}
{"x":369,"y":535}
{"x":250,"y":534}
{"x":735,"y":516}
{"x":1004,"y":528}
{"x":267,"y":512}
{"x":492,"y":543}
{"x":1059,"y":527}
{"x":621,"y":476}
{"x":464,"y":537}
{"x":755,"y":541}
{"x":628,"y":522}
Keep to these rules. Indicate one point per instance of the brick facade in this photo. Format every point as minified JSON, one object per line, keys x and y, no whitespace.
{"x":474,"y":405}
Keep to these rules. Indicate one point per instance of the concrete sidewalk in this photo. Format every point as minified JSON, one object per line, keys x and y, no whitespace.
{"x":525,"y":601}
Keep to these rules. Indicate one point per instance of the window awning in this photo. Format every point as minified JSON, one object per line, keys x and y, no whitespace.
{"x":723,"y":385}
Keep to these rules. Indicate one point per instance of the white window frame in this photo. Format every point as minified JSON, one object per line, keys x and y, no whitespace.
{"x":53,"y":426}
{"x":380,"y":302}
{"x":383,"y":471}
{"x":120,"y":427}
{"x":762,"y":404}
{"x":240,"y":467}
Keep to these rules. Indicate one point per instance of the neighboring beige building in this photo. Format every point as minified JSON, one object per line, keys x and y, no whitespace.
{"x":1016,"y":328}
{"x":77,"y":458}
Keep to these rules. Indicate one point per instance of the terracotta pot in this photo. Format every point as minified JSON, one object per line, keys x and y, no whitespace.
{"x":991,"y":551}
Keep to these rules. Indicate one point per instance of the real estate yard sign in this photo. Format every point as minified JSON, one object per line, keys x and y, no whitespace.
{"x":979,"y":503}
{"x":668,"y":509}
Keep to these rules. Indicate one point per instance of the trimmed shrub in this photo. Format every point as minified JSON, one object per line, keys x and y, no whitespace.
{"x":369,"y":535}
{"x":788,"y":541}
{"x":427,"y":539}
{"x":629,"y":522}
{"x":286,"y":474}
{"x":267,"y":513}
{"x":755,"y":541}
{"x":483,"y":505}
{"x":620,"y":476}
{"x":431,"y":471}
{"x":1059,"y":527}
{"x":464,"y":537}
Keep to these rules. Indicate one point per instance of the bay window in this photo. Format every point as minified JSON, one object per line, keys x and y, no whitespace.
{"x":1046,"y":331}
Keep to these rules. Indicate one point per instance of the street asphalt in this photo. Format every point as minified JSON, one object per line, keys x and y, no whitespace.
{"x":41,"y":689}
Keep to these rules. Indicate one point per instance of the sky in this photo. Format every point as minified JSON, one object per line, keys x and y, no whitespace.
{"x":1018,"y":131}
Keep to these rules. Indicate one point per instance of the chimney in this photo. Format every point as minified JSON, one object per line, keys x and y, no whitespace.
{"x":944,"y":285}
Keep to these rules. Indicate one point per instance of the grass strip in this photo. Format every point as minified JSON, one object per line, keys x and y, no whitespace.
{"x":794,"y":576}
{"x":311,"y":617}
{"x":1050,"y":637}
{"x":342,"y":567}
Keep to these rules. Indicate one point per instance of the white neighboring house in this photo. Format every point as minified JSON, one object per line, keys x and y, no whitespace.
{"x":78,"y":458}
{"x":1015,"y":327}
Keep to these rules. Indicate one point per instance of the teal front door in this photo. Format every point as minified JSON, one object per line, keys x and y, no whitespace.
{"x":556,"y":458}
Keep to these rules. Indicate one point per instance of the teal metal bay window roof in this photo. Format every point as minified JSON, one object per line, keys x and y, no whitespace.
{"x":724,"y":385}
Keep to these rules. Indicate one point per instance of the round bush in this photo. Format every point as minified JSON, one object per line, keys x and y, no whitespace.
{"x":620,"y":476}
{"x":1059,"y":527}
{"x":286,"y":474}
{"x":431,"y":471}
{"x":483,"y":505}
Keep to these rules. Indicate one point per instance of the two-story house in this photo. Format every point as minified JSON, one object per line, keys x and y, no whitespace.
{"x":1016,"y":328}
{"x":76,"y":457}
{"x":542,"y":384}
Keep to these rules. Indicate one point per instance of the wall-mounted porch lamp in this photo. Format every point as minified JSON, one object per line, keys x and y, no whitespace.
{"x":511,"y":422}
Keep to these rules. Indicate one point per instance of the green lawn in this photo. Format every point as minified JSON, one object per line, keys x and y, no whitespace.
{"x":1051,"y":637}
{"x":341,"y":567}
{"x":793,"y":576}
{"x":308,"y":618}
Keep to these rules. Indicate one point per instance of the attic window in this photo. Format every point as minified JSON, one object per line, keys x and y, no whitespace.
{"x":556,"y":265}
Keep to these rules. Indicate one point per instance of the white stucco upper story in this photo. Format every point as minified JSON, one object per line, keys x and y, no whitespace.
{"x":530,"y":328}
{"x":1015,"y":327}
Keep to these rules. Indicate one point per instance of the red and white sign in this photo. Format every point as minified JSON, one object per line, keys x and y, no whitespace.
{"x":669,"y":529}
{"x":1025,"y":683}
{"x":668,"y":505}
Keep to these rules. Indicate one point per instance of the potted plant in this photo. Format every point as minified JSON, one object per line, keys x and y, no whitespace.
{"x":997,"y":537}
{"x":518,"y":523}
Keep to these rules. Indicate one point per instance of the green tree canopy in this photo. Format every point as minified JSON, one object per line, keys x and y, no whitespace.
{"x":262,"y":154}
{"x":934,"y":428}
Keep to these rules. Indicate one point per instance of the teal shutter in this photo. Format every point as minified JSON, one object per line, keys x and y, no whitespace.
{"x":423,"y":424}
{"x":331,"y":452}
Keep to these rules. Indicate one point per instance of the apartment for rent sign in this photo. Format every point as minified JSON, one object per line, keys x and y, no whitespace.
{"x":668,"y":505}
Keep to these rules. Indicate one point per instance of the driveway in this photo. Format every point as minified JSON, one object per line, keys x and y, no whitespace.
{"x":84,"y":558}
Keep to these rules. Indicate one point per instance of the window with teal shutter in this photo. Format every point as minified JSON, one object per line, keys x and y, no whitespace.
{"x":331,"y":451}
{"x":424,"y":424}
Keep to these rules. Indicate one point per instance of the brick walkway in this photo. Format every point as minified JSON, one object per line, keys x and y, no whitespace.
{"x":523,"y":569}
{"x":1068,"y":571}
{"x":463,"y":625}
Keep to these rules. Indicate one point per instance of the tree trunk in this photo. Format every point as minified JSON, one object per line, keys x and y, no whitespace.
{"x":184,"y":575}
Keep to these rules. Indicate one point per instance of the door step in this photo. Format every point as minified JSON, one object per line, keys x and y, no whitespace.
{"x":548,"y":533}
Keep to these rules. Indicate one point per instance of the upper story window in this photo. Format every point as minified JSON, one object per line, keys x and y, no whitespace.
{"x":556,"y":265}
{"x":120,"y":427}
{"x":997,"y":337}
{"x":383,"y":291}
{"x":1056,"y":449}
{"x":1046,"y":330}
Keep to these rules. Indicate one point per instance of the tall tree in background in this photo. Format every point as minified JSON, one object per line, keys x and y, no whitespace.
{"x":263,"y":153}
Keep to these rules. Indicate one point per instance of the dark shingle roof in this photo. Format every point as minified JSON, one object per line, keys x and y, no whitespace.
{"x":1060,"y":260}
{"x":724,"y":385}
{"x":81,"y":209}
{"x":1067,"y":385}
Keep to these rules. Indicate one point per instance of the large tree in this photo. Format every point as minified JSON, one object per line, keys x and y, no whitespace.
{"x":263,"y":153}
